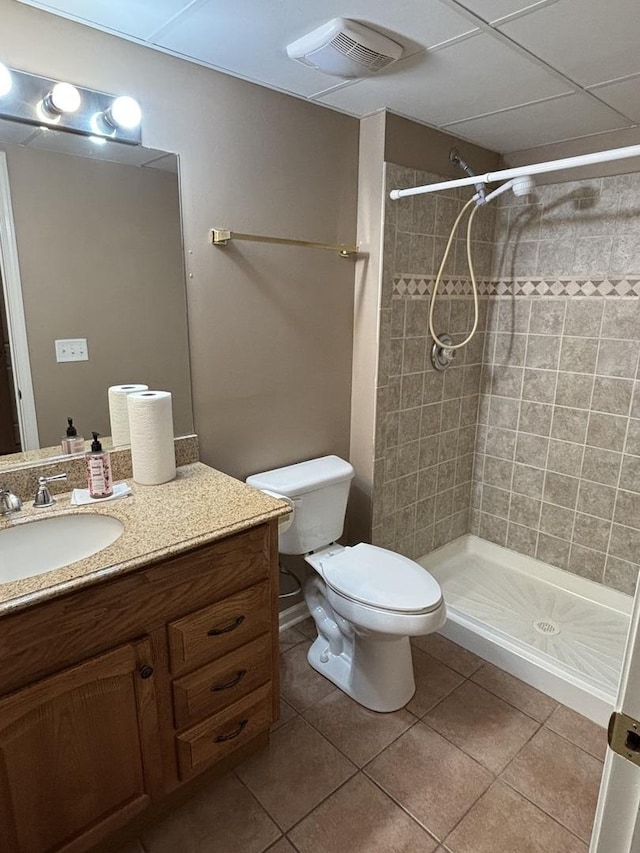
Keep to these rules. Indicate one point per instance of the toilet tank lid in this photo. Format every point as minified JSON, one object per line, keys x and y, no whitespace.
{"x":303,"y":477}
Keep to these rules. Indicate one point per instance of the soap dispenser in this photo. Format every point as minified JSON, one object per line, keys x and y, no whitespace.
{"x":72,"y":442}
{"x":98,"y":470}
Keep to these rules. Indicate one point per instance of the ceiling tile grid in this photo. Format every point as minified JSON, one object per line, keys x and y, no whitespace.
{"x":139,"y":19}
{"x":240,"y":38}
{"x":535,"y":124}
{"x":438,"y":87}
{"x":502,"y":73}
{"x":493,"y":11}
{"x":590,"y":41}
{"x":623,"y":95}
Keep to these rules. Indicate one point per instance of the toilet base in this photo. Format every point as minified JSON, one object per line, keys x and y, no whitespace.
{"x":376,"y":670}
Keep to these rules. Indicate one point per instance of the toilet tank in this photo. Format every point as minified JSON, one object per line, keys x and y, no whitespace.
{"x":319,"y":490}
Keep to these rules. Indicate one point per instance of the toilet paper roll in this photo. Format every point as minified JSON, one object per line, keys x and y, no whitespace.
{"x":151,"y":426}
{"x":119,"y":412}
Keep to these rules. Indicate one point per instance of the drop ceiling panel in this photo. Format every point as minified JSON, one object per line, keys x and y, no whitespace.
{"x":468,"y":78}
{"x":242,"y":38}
{"x":539,"y":124}
{"x":136,"y":18}
{"x":591,"y":41}
{"x":623,"y":96}
{"x":493,"y":10}
{"x":469,"y":75}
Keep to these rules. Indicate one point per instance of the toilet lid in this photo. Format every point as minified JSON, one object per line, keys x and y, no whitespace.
{"x":382,"y":579}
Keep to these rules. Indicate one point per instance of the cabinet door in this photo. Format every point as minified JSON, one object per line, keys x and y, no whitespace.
{"x":78,"y":753}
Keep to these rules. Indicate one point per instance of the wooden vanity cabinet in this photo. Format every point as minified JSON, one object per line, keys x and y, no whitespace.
{"x":113,"y":696}
{"x":77,"y":752}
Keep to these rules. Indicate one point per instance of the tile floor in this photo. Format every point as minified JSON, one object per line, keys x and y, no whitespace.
{"x":477,"y":762}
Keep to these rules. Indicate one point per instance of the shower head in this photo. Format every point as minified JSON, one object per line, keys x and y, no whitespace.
{"x":523,"y":185}
{"x":456,"y":158}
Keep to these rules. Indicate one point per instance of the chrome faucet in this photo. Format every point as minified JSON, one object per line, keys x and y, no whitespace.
{"x":43,"y":495}
{"x":9,"y":503}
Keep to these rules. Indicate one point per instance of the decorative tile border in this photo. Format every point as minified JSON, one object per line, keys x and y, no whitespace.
{"x":416,"y":286}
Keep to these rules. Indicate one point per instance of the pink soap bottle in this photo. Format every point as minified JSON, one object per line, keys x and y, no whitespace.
{"x":99,"y":479}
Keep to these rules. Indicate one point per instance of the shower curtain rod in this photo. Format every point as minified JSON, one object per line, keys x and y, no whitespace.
{"x":522,"y":171}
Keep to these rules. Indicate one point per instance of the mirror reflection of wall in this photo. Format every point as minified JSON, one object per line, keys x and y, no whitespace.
{"x":100,"y":254}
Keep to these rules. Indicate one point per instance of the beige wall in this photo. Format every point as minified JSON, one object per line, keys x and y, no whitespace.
{"x":417,"y":146}
{"x":366,"y":329}
{"x":101,"y":258}
{"x":270,"y":327}
{"x":575,"y":147}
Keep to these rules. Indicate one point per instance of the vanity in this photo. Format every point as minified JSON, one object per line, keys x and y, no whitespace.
{"x":130,"y":672}
{"x":126,"y":675}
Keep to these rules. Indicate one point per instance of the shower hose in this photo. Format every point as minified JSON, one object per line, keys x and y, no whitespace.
{"x":474,"y":286}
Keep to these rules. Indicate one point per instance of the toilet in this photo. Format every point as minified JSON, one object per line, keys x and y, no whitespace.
{"x":365,"y":601}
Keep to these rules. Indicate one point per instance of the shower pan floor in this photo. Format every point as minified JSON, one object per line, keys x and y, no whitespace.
{"x":557,"y":631}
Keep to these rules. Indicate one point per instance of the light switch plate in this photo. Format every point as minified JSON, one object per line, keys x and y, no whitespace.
{"x":72,"y":349}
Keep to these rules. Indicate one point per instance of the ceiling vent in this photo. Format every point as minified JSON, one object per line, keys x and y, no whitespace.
{"x":344,"y":48}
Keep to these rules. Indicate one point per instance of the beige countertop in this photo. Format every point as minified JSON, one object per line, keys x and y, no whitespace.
{"x":199,"y":506}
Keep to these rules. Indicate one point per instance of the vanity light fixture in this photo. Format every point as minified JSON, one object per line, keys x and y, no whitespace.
{"x":6,"y":81}
{"x":124,"y":112}
{"x":63,"y":98}
{"x":40,"y":101}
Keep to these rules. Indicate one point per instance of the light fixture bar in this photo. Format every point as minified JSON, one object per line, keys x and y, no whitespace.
{"x":43,"y":102}
{"x":521,"y":171}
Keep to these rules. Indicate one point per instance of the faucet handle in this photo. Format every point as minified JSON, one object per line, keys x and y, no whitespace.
{"x":9,"y":502}
{"x":43,"y":496}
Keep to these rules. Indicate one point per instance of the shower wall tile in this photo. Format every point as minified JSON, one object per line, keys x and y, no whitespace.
{"x":621,"y":574}
{"x":532,"y":438}
{"x":582,"y":228}
{"x":574,"y":390}
{"x":558,"y":457}
{"x":426,"y":420}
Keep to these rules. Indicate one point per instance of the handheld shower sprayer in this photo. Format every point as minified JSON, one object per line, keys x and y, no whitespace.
{"x":523,"y":185}
{"x":444,"y":350}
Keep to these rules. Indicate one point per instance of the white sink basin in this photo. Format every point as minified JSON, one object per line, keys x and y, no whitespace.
{"x":35,"y":547}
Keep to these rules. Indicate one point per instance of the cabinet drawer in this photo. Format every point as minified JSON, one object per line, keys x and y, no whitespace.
{"x":43,"y":639}
{"x":209,"y":633}
{"x":221,"y":683}
{"x":218,"y":736}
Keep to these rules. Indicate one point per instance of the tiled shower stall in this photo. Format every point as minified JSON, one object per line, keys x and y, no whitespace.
{"x":532,"y":439}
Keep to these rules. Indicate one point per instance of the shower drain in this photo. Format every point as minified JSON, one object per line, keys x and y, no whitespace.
{"x":546,"y":626}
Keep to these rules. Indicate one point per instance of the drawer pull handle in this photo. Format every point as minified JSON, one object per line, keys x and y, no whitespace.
{"x":235,"y":680}
{"x":215,"y":632}
{"x":233,"y":734}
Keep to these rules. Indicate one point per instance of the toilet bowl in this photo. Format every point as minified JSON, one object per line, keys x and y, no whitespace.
{"x":365,"y":601}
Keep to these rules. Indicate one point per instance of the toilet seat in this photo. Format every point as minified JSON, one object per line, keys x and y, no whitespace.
{"x":379,"y":578}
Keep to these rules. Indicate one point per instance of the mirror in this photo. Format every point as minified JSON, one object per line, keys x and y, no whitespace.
{"x":99,"y":248}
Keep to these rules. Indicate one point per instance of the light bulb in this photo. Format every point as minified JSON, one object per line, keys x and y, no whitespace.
{"x":5,"y":80}
{"x":63,"y":98}
{"x":124,"y":112}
